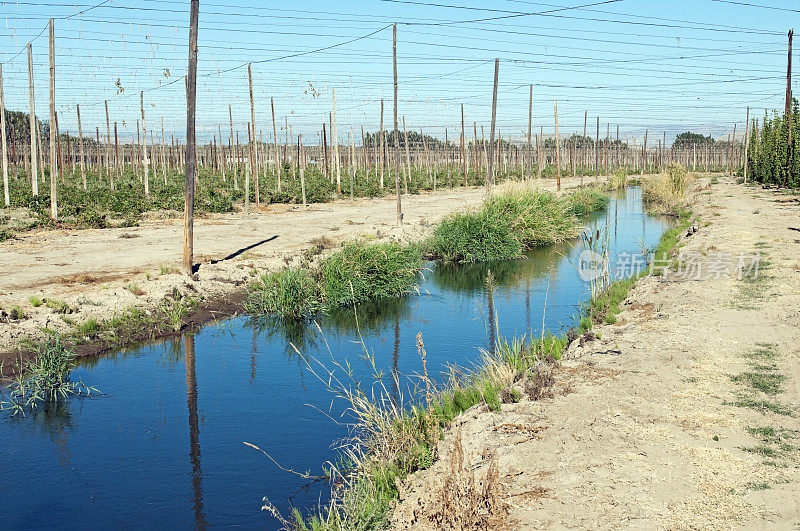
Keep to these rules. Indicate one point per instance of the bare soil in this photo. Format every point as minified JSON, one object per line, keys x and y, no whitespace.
{"x":100,"y":272}
{"x":655,"y":424}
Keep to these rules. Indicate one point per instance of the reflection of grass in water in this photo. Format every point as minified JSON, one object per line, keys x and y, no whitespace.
{"x":470,"y":278}
{"x":303,"y":333}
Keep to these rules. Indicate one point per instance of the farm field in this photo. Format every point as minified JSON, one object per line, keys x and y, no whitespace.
{"x":399,"y":264}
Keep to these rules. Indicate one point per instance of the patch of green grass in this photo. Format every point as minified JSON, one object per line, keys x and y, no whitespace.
{"x":44,"y":378}
{"x":510,"y":222}
{"x":89,"y":328}
{"x":762,"y":406}
{"x":767,"y":383}
{"x":292,"y":292}
{"x":587,"y":200}
{"x":359,"y":272}
{"x":35,"y":301}
{"x":58,"y":306}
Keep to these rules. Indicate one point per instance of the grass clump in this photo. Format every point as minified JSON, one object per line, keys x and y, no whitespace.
{"x":511,"y":221}
{"x":35,"y":301}
{"x":587,"y":200}
{"x":359,"y":272}
{"x":664,"y":192}
{"x":42,"y":380}
{"x":292,"y":292}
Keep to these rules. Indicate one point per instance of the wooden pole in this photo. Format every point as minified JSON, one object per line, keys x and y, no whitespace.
{"x":746,"y":137}
{"x":558,"y":149}
{"x":53,"y":128}
{"x":530,"y":124}
{"x":644,"y":152}
{"x":80,"y":145}
{"x":253,"y":153}
{"x":379,"y":145}
{"x":275,"y":138}
{"x":489,"y":175}
{"x":234,"y":154}
{"x":145,"y":159}
{"x":584,"y":162}
{"x":32,"y":117}
{"x":789,"y":105}
{"x":336,"y":146}
{"x":4,"y":145}
{"x":789,"y":75}
{"x":108,"y":146}
{"x":191,"y":93}
{"x":597,"y":152}
{"x":249,"y":169}
{"x":302,"y":168}
{"x":463,"y":148}
{"x":396,"y":129}
{"x":408,"y":157}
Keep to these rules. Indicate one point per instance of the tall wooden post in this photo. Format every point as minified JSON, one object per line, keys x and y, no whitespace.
{"x":379,"y":145}
{"x":584,"y":162}
{"x":463,"y":148}
{"x":644,"y":152}
{"x":53,"y":128}
{"x":4,"y":146}
{"x":163,"y":153}
{"x":108,"y":147}
{"x":597,"y":152}
{"x":275,"y":139}
{"x":789,"y":75}
{"x":788,"y":110}
{"x":746,"y":136}
{"x":302,"y":169}
{"x":396,"y":129}
{"x":249,"y":169}
{"x":80,"y":144}
{"x":336,"y":146}
{"x":145,"y":159}
{"x":408,"y":156}
{"x":191,"y":93}
{"x":489,"y":174}
{"x":530,"y":124}
{"x":253,"y":153}
{"x":558,"y":149}
{"x":34,"y":158}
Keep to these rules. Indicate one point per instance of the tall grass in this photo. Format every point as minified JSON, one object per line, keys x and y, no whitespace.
{"x":358,"y":272}
{"x":43,"y":379}
{"x":361,"y":271}
{"x":393,"y":436}
{"x":664,"y":192}
{"x":514,"y":219}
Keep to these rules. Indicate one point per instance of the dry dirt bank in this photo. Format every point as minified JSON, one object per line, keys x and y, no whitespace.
{"x":685,"y":414}
{"x":99,"y":273}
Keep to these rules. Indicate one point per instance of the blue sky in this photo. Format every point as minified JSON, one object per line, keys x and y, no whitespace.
{"x":662,"y":66}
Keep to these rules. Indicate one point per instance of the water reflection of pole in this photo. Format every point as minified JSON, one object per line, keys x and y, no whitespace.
{"x":395,"y":358}
{"x":194,"y":433}
{"x":528,"y":305}
{"x":490,"y":302}
{"x":253,"y":356}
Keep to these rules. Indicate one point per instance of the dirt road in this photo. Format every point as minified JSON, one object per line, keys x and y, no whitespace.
{"x":683,"y":415}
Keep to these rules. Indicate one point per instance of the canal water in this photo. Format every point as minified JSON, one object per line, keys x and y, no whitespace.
{"x":163,"y":446}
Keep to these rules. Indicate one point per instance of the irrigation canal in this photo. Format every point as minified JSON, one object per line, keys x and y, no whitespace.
{"x":163,"y":445}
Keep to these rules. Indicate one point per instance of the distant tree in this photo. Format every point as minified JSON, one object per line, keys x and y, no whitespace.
{"x":689,"y":139}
